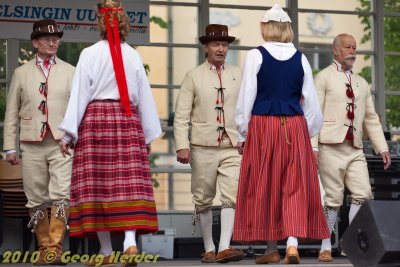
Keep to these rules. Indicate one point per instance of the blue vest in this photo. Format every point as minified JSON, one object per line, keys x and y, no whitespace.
{"x":279,"y":85}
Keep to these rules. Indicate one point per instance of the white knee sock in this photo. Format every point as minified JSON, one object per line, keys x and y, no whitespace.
{"x":227,"y":220}
{"x":291,"y":241}
{"x":271,"y":247}
{"x":206,"y":230}
{"x":105,"y":243}
{"x":354,"y":208}
{"x":130,"y":239}
{"x":331,"y":221}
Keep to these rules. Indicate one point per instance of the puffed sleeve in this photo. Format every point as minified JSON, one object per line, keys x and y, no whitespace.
{"x":310,"y":104}
{"x":248,"y":92}
{"x":146,"y":108}
{"x":79,"y":98}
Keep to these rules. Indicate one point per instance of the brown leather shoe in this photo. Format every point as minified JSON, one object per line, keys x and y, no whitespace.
{"x":292,"y":256}
{"x":270,"y":258}
{"x":208,"y":257}
{"x":132,"y":250}
{"x":325,"y":256}
{"x":229,"y":254}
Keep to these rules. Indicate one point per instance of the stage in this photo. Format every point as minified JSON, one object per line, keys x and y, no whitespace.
{"x":309,"y":262}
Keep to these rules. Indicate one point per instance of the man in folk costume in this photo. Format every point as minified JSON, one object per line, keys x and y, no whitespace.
{"x":207,"y":101}
{"x":348,"y":109}
{"x":277,"y":112}
{"x":36,"y":103}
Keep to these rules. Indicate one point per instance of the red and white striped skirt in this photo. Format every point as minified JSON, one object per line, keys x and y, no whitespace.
{"x":278,"y":194}
{"x":111,"y":184}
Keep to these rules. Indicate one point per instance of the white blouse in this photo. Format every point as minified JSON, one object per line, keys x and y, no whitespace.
{"x":94,"y":79}
{"x":248,"y":88}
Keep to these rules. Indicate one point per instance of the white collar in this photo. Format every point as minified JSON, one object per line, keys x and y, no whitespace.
{"x":339,"y":67}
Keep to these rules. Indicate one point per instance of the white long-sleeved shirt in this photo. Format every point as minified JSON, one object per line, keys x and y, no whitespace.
{"x":248,"y":89}
{"x":94,"y":79}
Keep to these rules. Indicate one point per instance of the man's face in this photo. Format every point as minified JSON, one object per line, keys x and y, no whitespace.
{"x":46,"y":45}
{"x":216,"y":52}
{"x":345,"y":52}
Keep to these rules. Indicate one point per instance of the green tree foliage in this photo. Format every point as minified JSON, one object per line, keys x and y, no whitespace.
{"x":392,"y":63}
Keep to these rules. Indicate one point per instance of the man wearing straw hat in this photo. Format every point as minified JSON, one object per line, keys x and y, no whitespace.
{"x":207,"y":101}
{"x":36,"y":104}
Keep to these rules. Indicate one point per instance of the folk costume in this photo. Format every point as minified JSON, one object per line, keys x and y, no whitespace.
{"x":36,"y":102}
{"x":349,"y":113}
{"x":111,"y":117}
{"x":277,"y":112}
{"x":206,"y":101}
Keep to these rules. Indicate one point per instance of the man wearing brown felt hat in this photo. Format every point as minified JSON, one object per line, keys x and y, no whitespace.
{"x":207,"y":101}
{"x":36,"y":103}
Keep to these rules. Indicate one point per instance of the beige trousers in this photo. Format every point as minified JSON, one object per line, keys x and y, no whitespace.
{"x":46,"y":173}
{"x":343,"y":165}
{"x":212,"y":165}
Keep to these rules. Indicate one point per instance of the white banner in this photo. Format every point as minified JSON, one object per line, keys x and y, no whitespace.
{"x":77,"y":18}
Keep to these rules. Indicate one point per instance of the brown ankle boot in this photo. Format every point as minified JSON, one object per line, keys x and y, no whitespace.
{"x":58,"y":224}
{"x":40,"y":225}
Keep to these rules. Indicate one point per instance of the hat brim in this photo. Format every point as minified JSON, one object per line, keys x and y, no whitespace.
{"x":35,"y":35}
{"x":206,"y":39}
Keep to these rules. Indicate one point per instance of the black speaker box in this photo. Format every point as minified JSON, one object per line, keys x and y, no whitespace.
{"x":373,"y":237}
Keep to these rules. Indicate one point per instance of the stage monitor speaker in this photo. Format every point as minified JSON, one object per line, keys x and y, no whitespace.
{"x":373,"y":237}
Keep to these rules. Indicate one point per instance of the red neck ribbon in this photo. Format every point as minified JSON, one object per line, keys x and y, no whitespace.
{"x":114,"y":42}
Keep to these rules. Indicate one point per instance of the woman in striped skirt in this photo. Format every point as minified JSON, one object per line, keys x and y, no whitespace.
{"x":111,"y":119}
{"x":277,"y":112}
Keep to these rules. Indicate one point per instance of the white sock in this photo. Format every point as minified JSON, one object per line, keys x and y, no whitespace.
{"x":354,"y":208}
{"x":331,"y":221}
{"x":291,"y":241}
{"x":206,"y":230}
{"x":271,"y":247}
{"x":130,"y":239}
{"x":105,"y":243}
{"x":227,"y":220}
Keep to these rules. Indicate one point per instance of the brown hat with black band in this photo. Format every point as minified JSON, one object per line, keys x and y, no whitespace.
{"x":216,"y":32}
{"x":45,"y":27}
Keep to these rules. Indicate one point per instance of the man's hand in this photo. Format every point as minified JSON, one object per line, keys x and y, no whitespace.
{"x":12,"y":158}
{"x":386,"y":159}
{"x":240,"y":147}
{"x":316,"y":156}
{"x":64,"y":147}
{"x":184,"y":156}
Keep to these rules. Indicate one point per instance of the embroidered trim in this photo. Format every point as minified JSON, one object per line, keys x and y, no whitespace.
{"x":196,"y":217}
{"x":60,"y":211}
{"x":327,"y":210}
{"x":227,"y":205}
{"x":357,"y":202}
{"x":36,"y":215}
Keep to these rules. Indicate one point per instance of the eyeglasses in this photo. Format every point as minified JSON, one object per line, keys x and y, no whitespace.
{"x":49,"y":40}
